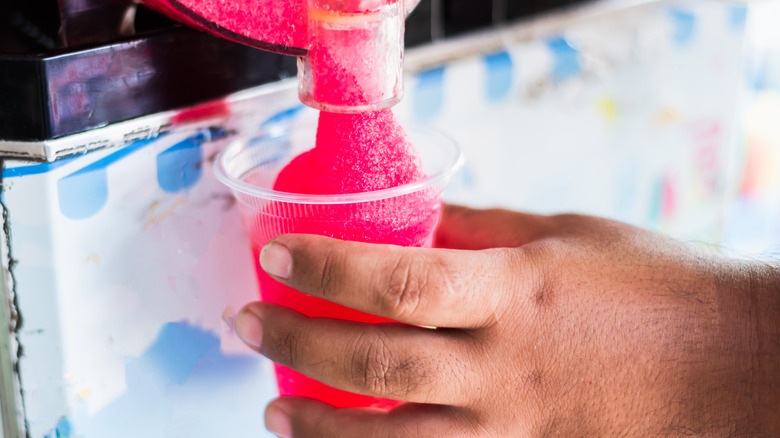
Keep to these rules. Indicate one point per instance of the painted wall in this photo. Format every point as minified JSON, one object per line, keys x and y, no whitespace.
{"x":125,"y":258}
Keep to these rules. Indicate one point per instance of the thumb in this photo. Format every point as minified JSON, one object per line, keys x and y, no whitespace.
{"x":467,"y":228}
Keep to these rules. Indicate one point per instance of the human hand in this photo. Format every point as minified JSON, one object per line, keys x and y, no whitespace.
{"x":548,"y":326}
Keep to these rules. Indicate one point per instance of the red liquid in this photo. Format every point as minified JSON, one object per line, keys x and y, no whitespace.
{"x":354,"y":153}
{"x":272,"y":21}
{"x":418,"y":233}
{"x":293,"y":383}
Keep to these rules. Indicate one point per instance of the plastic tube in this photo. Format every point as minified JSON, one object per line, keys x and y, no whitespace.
{"x":355,"y":60}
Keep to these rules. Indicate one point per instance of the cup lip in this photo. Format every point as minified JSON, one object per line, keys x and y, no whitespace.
{"x":440,"y":177}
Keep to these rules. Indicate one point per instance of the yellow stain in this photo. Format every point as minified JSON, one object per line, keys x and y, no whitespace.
{"x":94,"y":258}
{"x":85,"y":394}
{"x":154,"y":206}
{"x":343,"y":18}
{"x":666,"y":115}
{"x":154,"y":217}
{"x":609,"y":109}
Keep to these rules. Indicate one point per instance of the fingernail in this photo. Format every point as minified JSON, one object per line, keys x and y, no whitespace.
{"x":229,"y":316}
{"x":249,"y":328}
{"x":276,"y":260}
{"x":277,"y":422}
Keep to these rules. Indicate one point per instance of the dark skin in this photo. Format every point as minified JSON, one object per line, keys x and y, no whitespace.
{"x":548,"y":326}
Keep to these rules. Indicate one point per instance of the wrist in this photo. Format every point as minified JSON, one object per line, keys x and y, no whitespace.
{"x":756,"y":318}
{"x":728,"y":361}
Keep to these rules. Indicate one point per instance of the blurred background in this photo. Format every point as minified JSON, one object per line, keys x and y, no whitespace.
{"x":120,"y":249}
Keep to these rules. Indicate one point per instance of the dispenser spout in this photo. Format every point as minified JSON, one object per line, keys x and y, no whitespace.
{"x":350,"y":51}
{"x":355,"y":59}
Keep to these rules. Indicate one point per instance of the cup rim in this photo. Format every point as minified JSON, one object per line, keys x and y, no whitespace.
{"x":439,"y":177}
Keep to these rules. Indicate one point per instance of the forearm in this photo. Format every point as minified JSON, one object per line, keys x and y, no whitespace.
{"x":723,"y":358}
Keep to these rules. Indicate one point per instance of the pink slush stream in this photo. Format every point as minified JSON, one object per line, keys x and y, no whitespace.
{"x":278,"y":22}
{"x":355,"y":55}
{"x":354,"y":153}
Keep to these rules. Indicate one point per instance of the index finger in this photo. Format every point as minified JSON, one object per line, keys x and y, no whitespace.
{"x":430,"y":287}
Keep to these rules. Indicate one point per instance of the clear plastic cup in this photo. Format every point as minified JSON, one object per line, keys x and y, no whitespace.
{"x":406,"y":215}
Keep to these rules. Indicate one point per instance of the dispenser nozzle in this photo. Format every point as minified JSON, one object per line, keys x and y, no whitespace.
{"x":350,"y":51}
{"x":355,"y":59}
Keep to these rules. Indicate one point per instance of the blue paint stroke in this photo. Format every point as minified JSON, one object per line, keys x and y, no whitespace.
{"x":683,"y":24}
{"x":225,"y":388}
{"x":177,"y":349}
{"x":84,"y":193}
{"x":757,"y":74}
{"x":217,"y":132}
{"x":499,"y":75}
{"x":216,"y":368}
{"x":181,"y":166}
{"x":737,"y":16}
{"x":566,"y":59}
{"x":63,"y":429}
{"x":467,"y":177}
{"x":429,"y":94}
{"x":271,"y":149}
{"x":284,"y":115}
{"x":36,"y":169}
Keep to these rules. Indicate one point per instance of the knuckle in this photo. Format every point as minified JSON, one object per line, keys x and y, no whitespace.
{"x":376,"y":370}
{"x":543,"y":292}
{"x":541,"y":274}
{"x":329,"y":273}
{"x":534,"y":379}
{"x":286,"y":345}
{"x":541,"y":382}
{"x":406,"y":281}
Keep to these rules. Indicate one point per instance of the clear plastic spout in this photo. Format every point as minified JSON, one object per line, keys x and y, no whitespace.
{"x":355,"y":59}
